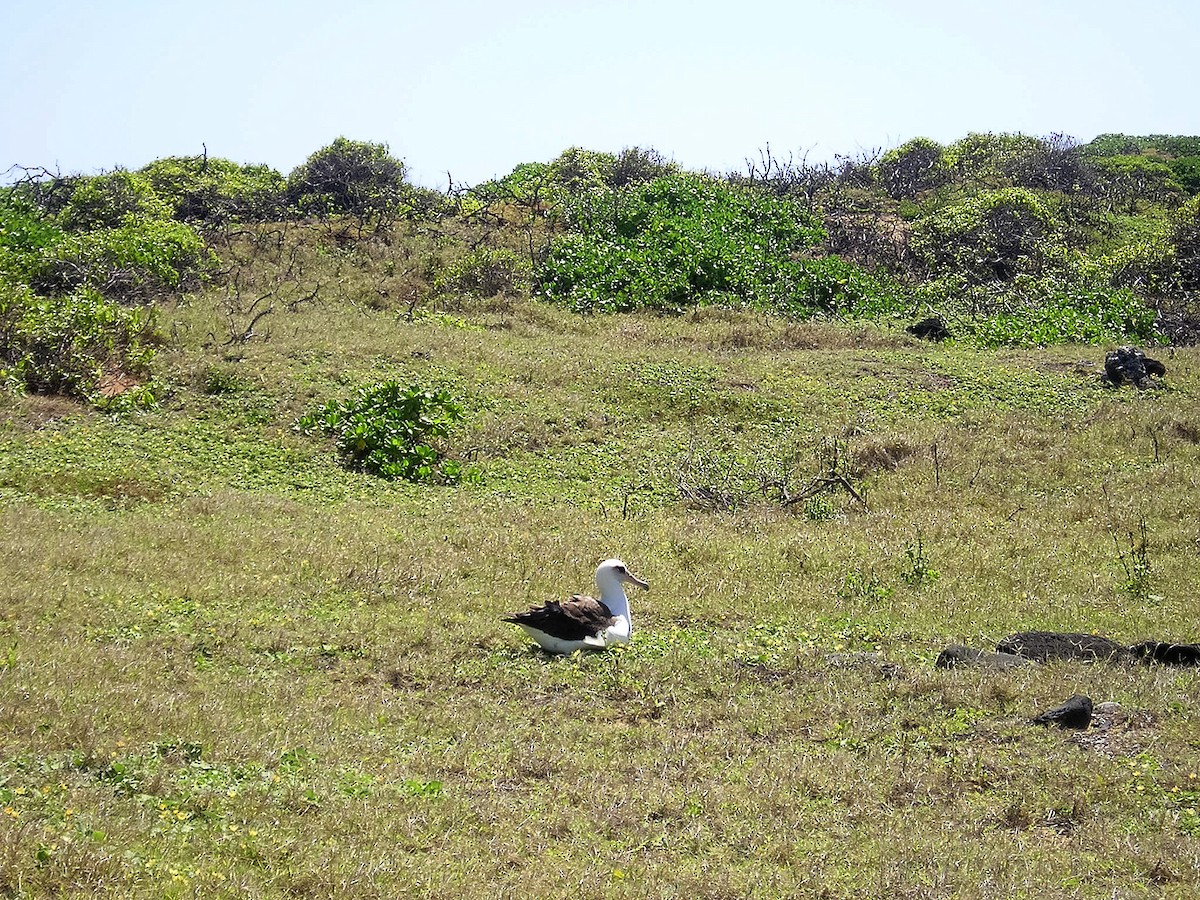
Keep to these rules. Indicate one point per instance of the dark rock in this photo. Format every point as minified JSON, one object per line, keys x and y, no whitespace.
{"x":1074,"y":713}
{"x":958,"y":655}
{"x":1046,"y":645}
{"x":930,"y":329}
{"x":1167,"y":654}
{"x":1129,"y":365}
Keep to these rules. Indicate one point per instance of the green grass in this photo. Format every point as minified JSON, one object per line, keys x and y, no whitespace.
{"x":230,"y":668}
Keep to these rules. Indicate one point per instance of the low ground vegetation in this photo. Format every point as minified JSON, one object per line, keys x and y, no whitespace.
{"x":237,"y":662}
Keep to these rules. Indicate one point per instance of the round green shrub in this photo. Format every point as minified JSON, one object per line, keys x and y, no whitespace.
{"x":105,"y":201}
{"x":913,"y":168}
{"x":352,"y":177}
{"x":389,"y":430}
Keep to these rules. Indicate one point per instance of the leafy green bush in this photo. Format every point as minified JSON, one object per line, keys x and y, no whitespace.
{"x":993,"y":236}
{"x":990,"y":158}
{"x":1020,"y":160}
{"x":578,"y":171}
{"x":141,"y":258}
{"x":635,"y":165}
{"x":1185,"y":239}
{"x":389,"y":430}
{"x":1171,"y":145}
{"x":678,"y":241}
{"x":1186,"y":170}
{"x":203,"y":189}
{"x":1069,"y":315}
{"x":28,"y":238}
{"x":355,"y":177}
{"x":105,"y":201}
{"x":486,"y":272}
{"x":1146,"y":267}
{"x":833,"y":286}
{"x":1137,"y":177}
{"x":1072,"y":304}
{"x":77,"y":345}
{"x":913,"y":168}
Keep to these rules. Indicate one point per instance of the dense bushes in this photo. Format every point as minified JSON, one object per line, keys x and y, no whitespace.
{"x":199,"y":189}
{"x":1018,"y":238}
{"x":994,"y":236}
{"x":912,"y":168}
{"x":993,"y":161}
{"x":1185,"y":240}
{"x":677,"y":241}
{"x":80,"y":345}
{"x":105,"y":201}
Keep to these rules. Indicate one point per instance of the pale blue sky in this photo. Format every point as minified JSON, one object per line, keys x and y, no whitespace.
{"x":474,"y":87}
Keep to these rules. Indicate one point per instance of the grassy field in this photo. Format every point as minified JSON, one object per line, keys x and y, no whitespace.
{"x":231,"y":668}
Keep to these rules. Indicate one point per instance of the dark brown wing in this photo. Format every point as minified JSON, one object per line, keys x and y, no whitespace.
{"x":573,"y":619}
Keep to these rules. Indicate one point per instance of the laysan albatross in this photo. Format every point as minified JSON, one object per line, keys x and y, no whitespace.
{"x":581,"y":622}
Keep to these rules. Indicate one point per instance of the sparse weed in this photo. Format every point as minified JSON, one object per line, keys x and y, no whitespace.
{"x":916,"y":571}
{"x":1134,"y":560}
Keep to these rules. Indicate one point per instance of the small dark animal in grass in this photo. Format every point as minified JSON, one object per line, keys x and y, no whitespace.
{"x":957,"y":655}
{"x":1167,"y":654}
{"x":581,"y":622}
{"x":930,"y":329}
{"x":1074,"y":713}
{"x":1129,"y":365}
{"x":1047,"y":645}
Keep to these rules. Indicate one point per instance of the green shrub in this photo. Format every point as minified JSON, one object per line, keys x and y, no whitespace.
{"x":141,"y":258}
{"x":990,"y":158}
{"x":389,"y":430}
{"x":635,"y":165}
{"x":1185,"y":240}
{"x":28,"y":239}
{"x":1073,"y":304}
{"x":1127,"y":179}
{"x":486,"y":272}
{"x":1146,"y":267}
{"x":203,"y":189}
{"x":678,"y":241}
{"x":833,"y":286}
{"x":578,"y":171}
{"x":74,"y":345}
{"x":913,"y":168}
{"x":353,"y":177}
{"x":1170,"y":145}
{"x":106,"y":201}
{"x":1020,"y":160}
{"x":1186,"y":171}
{"x":993,"y":236}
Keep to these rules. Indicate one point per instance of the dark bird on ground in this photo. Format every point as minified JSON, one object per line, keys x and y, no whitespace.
{"x":581,"y":622}
{"x":1047,"y":645}
{"x":930,"y":329}
{"x":1167,"y":654}
{"x":1074,"y":713}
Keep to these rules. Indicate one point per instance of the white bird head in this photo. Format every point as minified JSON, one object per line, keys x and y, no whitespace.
{"x":614,"y":573}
